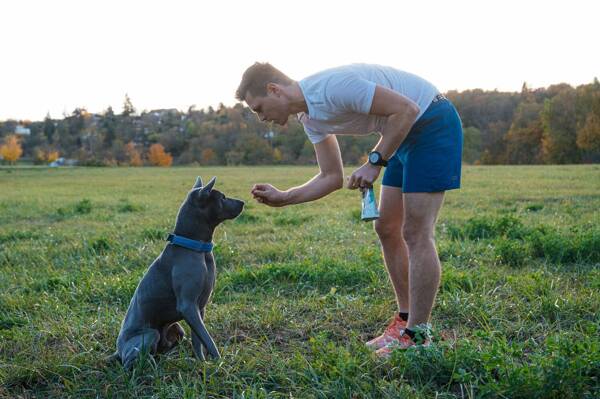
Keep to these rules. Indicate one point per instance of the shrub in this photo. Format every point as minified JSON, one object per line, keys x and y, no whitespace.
{"x":485,"y":227}
{"x":100,"y":245}
{"x":512,"y":252}
{"x":84,"y":206}
{"x":126,"y":206}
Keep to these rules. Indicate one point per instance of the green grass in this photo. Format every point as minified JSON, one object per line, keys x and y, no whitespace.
{"x":301,"y":288}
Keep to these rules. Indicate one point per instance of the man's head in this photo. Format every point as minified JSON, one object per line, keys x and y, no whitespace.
{"x":265,"y":89}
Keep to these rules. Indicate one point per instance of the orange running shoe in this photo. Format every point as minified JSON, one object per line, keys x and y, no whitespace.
{"x":392,"y":333}
{"x":422,"y":339}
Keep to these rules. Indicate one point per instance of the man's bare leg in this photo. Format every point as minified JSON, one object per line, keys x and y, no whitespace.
{"x":421,"y":211}
{"x":395,"y":251}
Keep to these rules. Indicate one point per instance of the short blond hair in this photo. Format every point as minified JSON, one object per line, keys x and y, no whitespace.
{"x":256,"y":78}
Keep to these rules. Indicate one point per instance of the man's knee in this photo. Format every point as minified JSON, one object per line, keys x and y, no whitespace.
{"x":416,"y":234}
{"x":387,"y":230}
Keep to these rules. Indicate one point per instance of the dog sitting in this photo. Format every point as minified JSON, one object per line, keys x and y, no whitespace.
{"x":178,"y":284}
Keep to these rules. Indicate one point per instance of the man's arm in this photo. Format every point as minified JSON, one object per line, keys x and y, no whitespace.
{"x":329,"y":179}
{"x":401,"y":114}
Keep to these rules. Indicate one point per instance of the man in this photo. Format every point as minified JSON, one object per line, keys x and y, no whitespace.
{"x":420,"y":146}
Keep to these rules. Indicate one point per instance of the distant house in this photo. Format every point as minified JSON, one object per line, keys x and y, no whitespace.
{"x":159,"y":114}
{"x":63,"y":162}
{"x":22,"y":130}
{"x":58,"y":162}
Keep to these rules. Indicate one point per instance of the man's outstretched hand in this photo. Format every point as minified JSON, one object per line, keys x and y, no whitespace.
{"x":269,"y":195}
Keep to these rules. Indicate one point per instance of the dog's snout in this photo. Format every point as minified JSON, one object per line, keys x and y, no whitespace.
{"x":241,"y":205}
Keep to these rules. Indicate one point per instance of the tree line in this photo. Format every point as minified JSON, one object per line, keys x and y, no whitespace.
{"x":558,"y":124}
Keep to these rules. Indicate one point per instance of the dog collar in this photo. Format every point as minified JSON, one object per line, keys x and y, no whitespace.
{"x":198,"y":246}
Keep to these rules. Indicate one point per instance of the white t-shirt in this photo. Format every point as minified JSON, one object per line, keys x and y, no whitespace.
{"x":339,"y":99}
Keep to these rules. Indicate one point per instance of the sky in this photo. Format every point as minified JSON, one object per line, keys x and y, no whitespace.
{"x":62,"y":54}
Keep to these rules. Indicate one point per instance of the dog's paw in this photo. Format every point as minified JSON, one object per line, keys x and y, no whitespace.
{"x":114,"y":358}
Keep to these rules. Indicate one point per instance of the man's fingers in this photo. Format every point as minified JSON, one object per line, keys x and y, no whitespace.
{"x":350,"y":184}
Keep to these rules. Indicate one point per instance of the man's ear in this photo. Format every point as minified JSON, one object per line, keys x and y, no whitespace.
{"x":198,"y":183}
{"x":204,"y":192}
{"x":274,"y":88}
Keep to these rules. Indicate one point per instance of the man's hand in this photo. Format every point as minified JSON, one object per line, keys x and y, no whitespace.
{"x":363,"y":177}
{"x":269,"y":195}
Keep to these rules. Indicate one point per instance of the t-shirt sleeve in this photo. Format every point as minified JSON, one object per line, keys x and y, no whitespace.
{"x":351,"y":94}
{"x":314,"y":136}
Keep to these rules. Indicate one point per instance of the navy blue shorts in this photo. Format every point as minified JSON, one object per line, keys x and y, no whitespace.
{"x":429,"y":158}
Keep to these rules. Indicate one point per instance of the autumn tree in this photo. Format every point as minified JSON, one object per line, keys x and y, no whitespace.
{"x":52,"y":156}
{"x":11,"y":150}
{"x":44,"y":156}
{"x":559,"y":123}
{"x":277,"y":155}
{"x":208,"y":156}
{"x":523,"y":139}
{"x":158,"y":157}
{"x":135,"y":158}
{"x":588,"y":137}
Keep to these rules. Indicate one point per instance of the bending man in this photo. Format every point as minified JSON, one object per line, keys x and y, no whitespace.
{"x":420,"y":147}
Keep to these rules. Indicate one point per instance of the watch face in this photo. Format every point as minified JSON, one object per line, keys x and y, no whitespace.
{"x":373,"y":157}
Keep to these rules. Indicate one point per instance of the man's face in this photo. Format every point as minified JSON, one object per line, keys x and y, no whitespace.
{"x":271,"y":108}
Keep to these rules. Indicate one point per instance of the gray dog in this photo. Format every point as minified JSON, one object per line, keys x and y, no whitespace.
{"x":179,"y":282}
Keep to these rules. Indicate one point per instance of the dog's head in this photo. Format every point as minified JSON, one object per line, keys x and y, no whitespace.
{"x":206,"y":206}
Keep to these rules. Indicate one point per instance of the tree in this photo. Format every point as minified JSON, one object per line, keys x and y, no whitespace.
{"x":135,"y":158}
{"x":524,"y":138}
{"x":52,"y":156}
{"x":128,"y":108}
{"x":108,"y":126}
{"x":277,"y":155}
{"x":588,"y":121}
{"x":471,"y":144}
{"x":207,"y":156}
{"x":49,"y":128}
{"x":158,"y":157}
{"x":588,"y":137}
{"x":559,"y":121}
{"x":44,"y":156}
{"x":11,"y":150}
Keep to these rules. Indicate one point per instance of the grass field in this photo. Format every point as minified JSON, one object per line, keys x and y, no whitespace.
{"x":301,"y":288}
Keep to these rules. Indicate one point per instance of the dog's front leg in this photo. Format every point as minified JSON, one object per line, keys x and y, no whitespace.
{"x":191,"y":315}
{"x":198,"y":348}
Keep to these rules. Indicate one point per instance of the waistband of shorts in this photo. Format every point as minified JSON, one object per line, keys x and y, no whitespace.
{"x":438,"y":103}
{"x":438,"y":97}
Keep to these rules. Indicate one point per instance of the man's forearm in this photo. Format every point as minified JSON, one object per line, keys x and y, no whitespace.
{"x":318,"y":187}
{"x":394,"y":133}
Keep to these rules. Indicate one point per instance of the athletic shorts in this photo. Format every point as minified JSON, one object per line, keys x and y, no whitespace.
{"x":429,"y":158}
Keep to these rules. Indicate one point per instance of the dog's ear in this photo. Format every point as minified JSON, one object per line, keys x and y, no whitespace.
{"x":204,"y":192}
{"x":198,"y":183}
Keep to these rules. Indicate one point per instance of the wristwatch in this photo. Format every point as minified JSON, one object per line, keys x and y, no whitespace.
{"x":376,"y":159}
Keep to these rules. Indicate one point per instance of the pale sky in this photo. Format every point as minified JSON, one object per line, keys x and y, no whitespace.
{"x":58,"y":55}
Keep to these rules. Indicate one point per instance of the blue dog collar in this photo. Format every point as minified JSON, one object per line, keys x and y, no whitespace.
{"x":198,"y":246}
